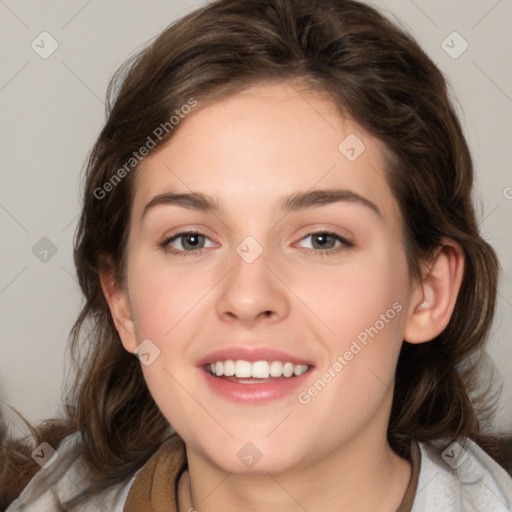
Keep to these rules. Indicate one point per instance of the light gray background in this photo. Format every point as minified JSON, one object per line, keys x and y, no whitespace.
{"x":52,"y":110}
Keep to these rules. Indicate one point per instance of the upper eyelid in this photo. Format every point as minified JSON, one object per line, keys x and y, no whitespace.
{"x":187,"y":231}
{"x":324,"y":227}
{"x":336,"y":230}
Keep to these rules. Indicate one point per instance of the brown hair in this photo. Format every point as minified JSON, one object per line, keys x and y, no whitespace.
{"x":376,"y":74}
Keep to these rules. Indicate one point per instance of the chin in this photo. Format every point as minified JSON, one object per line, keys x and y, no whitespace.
{"x":259,"y":456}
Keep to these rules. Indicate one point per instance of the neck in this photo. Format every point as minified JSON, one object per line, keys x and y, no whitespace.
{"x":368,"y":475}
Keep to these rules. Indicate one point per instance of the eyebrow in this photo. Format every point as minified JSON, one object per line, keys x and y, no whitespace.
{"x":294,"y":202}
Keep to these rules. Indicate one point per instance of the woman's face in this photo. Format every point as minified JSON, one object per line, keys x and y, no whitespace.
{"x":297,"y":257}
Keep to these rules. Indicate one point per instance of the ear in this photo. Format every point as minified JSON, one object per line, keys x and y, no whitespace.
{"x":119,"y":304}
{"x":434,"y":297}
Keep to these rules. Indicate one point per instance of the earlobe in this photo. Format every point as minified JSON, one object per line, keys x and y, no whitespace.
{"x":435,"y":296}
{"x":119,"y":305}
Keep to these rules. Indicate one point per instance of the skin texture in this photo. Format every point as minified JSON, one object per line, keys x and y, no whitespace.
{"x":249,"y":151}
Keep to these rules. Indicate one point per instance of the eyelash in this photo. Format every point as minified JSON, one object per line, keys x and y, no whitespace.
{"x":345,"y":244}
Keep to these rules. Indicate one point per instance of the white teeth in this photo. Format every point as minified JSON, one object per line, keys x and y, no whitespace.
{"x":260,"y":370}
{"x":288,"y":369}
{"x":243,"y":368}
{"x":276,"y":369}
{"x":257,"y":370}
{"x":229,"y":368}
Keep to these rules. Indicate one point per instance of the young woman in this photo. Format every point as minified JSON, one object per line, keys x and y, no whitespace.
{"x":277,"y":222}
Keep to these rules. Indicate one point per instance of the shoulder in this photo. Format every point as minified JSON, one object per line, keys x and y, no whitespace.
{"x":461,"y":477}
{"x":61,"y":479}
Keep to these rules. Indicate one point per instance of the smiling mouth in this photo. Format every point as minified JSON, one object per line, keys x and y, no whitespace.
{"x":257,"y":372}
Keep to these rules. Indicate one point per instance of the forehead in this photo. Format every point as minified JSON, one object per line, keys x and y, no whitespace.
{"x":255,"y":146}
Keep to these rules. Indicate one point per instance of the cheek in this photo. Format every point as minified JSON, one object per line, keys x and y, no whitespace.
{"x":167,"y":303}
{"x":163,"y":301}
{"x":352,"y":296}
{"x":363,"y":305}
{"x":162,"y":295}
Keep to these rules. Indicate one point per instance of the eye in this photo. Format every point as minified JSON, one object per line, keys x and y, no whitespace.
{"x":326,"y":242}
{"x":187,"y":241}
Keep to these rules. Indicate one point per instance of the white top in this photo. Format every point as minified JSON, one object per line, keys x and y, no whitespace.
{"x":462,"y":478}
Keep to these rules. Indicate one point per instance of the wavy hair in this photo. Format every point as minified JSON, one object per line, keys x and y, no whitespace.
{"x":375,"y":73}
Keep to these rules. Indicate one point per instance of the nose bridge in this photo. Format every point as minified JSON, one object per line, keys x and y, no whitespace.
{"x":250,"y":290}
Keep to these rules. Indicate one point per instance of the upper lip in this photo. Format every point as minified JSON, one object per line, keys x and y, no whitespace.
{"x":251,"y":354}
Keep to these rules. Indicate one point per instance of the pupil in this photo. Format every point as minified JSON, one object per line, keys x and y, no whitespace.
{"x":192,"y":245}
{"x":323,"y":239}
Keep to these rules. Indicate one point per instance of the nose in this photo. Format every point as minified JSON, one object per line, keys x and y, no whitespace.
{"x":251,"y":293}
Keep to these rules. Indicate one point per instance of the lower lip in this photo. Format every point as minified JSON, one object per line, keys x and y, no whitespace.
{"x":263,"y":392}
